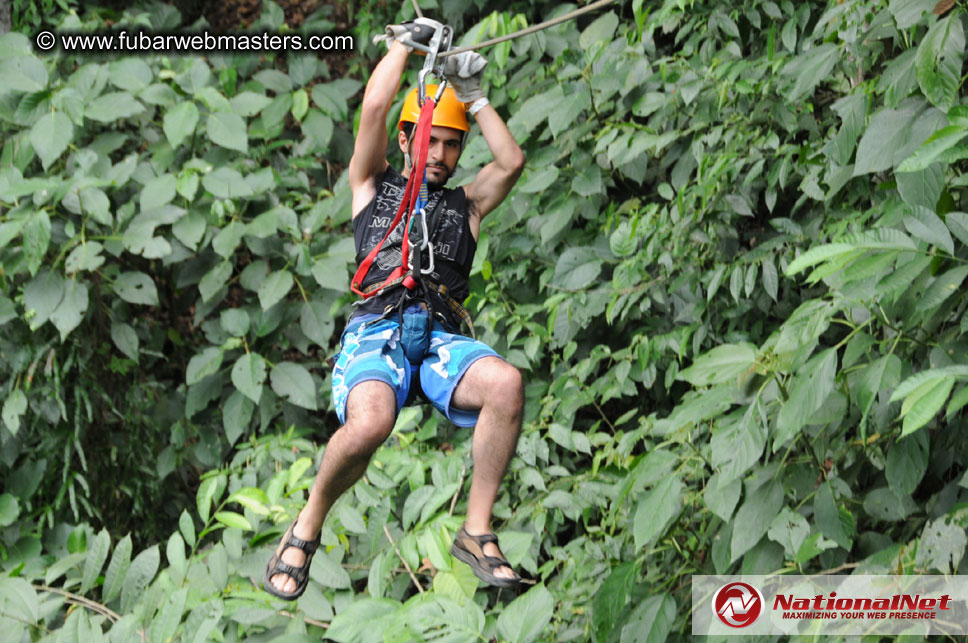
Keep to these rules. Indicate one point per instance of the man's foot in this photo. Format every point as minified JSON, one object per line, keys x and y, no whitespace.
{"x":482,"y":553}
{"x":287,"y":575}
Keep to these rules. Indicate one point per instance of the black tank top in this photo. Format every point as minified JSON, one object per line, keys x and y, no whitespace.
{"x":454,"y":244}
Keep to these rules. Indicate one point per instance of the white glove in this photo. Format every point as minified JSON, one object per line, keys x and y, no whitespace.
{"x":464,"y":72}
{"x":421,"y":30}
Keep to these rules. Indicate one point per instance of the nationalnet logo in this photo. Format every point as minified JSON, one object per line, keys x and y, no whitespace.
{"x":829,"y":605}
{"x":738,"y":604}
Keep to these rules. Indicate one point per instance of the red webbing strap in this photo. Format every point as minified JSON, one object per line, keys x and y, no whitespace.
{"x":409,"y":198}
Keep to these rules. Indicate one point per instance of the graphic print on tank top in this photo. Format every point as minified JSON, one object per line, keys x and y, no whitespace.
{"x":387,"y":202}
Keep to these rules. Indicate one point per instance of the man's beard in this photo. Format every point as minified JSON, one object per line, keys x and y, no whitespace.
{"x":439,"y":184}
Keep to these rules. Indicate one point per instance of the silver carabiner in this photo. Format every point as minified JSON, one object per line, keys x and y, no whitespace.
{"x":439,"y":43}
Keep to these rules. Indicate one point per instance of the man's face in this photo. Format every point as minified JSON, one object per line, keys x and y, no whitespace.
{"x":442,"y":155}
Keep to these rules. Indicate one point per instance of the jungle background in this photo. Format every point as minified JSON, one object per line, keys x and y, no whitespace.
{"x":731,"y":273}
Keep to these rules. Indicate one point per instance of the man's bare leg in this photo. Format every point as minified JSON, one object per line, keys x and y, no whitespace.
{"x":370,"y":415}
{"x":496,"y":388}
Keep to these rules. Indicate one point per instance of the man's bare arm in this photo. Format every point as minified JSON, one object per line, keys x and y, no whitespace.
{"x":370,"y":150}
{"x":495,"y":180}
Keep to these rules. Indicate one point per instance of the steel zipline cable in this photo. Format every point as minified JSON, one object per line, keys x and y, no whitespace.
{"x":522,"y":32}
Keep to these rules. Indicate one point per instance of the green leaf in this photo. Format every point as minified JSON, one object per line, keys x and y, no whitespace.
{"x":878,"y":376}
{"x":117,"y":570}
{"x":361,"y":618}
{"x":205,"y":495}
{"x":226,"y":241}
{"x":131,"y":74}
{"x":877,"y":146}
{"x":62,"y":565}
{"x":158,"y":191}
{"x":771,"y":280}
{"x":248,"y":375}
{"x":143,"y":569}
{"x":329,"y":99}
{"x":235,"y":321}
{"x":924,"y":403}
{"x":113,"y":107}
{"x":214,"y":279}
{"x":328,"y":573}
{"x":190,"y":229}
{"x":656,"y":509}
{"x":50,"y":136}
{"x":318,"y":128}
{"x":42,"y":295}
{"x":721,"y":495}
{"x":414,"y":504}
{"x":577,"y":268}
{"x":249,"y":103}
{"x":810,"y":68}
{"x":830,"y":518}
{"x":86,"y":256}
{"x":789,"y":529}
{"x":316,"y":322}
{"x":22,"y":73}
{"x":932,"y":148}
{"x":928,"y":226}
{"x":906,"y":464}
{"x":226,"y":183}
{"x":9,"y":509}
{"x":126,"y":339}
{"x":97,"y":553}
{"x":165,"y":624}
{"x":588,"y":182}
{"x":809,"y":389}
{"x":136,"y":288}
{"x":236,"y":415}
{"x":275,"y":287}
{"x":294,"y":383}
{"x":622,"y":241}
{"x":940,"y":289}
{"x":754,"y":517}
{"x":203,"y":364}
{"x":599,"y":32}
{"x":228,"y":130}
{"x":941,"y":546}
{"x":651,"y":621}
{"x":818,"y":254}
{"x":539,"y":179}
{"x":187,"y":186}
{"x":180,"y":122}
{"x":70,"y":311}
{"x":233,"y":520}
{"x":36,"y":240}
{"x":724,"y":363}
{"x":939,"y":60}
{"x":610,"y":599}
{"x":908,"y":13}
{"x":526,"y":617}
{"x":908,"y":386}
{"x":187,"y":527}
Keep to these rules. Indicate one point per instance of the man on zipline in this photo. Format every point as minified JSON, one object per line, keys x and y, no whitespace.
{"x":380,"y":368}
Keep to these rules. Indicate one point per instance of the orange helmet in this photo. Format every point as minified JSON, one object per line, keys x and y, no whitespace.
{"x":449,"y":112}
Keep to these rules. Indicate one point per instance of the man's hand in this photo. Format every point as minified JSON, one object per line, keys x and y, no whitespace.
{"x":419,"y":31}
{"x":464,"y":72}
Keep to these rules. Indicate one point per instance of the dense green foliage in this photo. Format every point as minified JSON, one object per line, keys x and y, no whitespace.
{"x":174,"y":263}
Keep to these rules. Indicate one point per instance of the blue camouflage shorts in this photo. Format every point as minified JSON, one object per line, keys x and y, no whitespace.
{"x":376,"y":349}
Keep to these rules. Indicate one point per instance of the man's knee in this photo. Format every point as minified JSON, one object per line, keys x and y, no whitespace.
{"x":505,"y":387}
{"x":370,"y":416}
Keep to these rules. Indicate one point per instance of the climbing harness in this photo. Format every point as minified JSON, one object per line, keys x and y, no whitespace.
{"x":411,"y":271}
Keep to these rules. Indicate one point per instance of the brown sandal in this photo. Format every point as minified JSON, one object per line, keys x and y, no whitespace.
{"x":470,"y":549}
{"x":298,"y":574}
